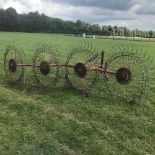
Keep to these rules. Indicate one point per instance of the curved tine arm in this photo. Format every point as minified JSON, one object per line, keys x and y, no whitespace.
{"x":102,"y":60}
{"x":92,"y":58}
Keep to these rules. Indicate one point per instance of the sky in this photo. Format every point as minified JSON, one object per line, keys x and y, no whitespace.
{"x":130,"y":13}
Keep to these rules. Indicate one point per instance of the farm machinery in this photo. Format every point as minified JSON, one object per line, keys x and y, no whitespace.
{"x":125,"y":73}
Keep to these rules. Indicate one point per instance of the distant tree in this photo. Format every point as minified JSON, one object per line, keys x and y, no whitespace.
{"x":151,"y":33}
{"x":113,"y":32}
{"x":105,"y":31}
{"x":134,"y":34}
{"x":126,"y":32}
{"x":10,"y":20}
{"x":97,"y":29}
{"x":110,"y":30}
{"x":116,"y":30}
{"x":2,"y":20}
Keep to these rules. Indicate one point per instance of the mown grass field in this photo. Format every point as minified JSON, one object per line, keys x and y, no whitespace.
{"x":61,"y":121}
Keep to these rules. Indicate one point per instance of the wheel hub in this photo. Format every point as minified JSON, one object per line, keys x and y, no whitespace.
{"x":80,"y":70}
{"x":44,"y":68}
{"x":12,"y":65}
{"x":123,"y":76}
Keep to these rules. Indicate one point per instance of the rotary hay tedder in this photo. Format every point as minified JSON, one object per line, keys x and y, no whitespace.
{"x":125,"y":74}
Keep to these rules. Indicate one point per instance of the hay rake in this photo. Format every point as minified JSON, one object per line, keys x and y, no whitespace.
{"x":124,"y":74}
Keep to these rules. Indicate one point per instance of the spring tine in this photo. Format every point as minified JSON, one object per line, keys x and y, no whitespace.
{"x":87,"y":47}
{"x":84,"y":45}
{"x":78,"y":45}
{"x":120,"y":49}
{"x":148,"y":59}
{"x":136,"y":51}
{"x":127,"y":50}
{"x":132,"y":49}
{"x":91,"y":46}
{"x":144,"y":55}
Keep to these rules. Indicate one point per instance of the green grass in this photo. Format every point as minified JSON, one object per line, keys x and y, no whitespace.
{"x":61,"y":121}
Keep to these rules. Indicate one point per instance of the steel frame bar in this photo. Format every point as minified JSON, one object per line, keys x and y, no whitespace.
{"x":101,"y":69}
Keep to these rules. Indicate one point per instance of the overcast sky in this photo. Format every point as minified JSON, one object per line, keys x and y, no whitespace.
{"x":130,"y":13}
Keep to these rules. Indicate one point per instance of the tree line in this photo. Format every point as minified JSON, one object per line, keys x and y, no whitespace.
{"x":33,"y":22}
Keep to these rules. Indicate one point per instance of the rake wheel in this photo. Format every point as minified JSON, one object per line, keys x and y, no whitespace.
{"x":12,"y":58}
{"x":78,"y":76}
{"x":130,"y":80}
{"x":45,"y":74}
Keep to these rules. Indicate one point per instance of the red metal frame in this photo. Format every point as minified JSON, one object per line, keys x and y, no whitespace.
{"x":101,"y":68}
